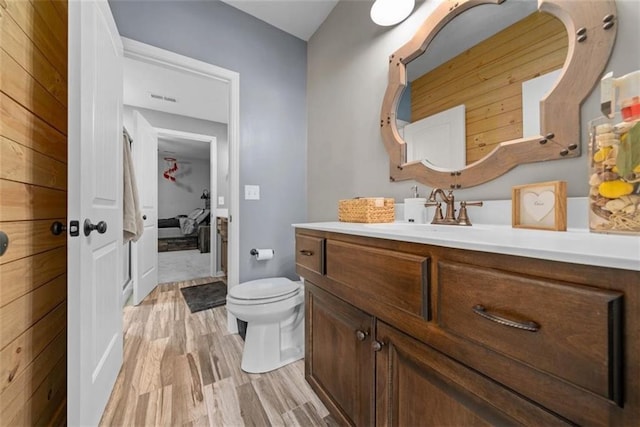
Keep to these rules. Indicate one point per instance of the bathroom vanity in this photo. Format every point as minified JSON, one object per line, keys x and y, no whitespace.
{"x":415,"y":324}
{"x":433,"y":325}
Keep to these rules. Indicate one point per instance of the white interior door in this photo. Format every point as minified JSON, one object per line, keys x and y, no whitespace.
{"x":440,"y":139}
{"x":144,"y":256}
{"x":95,"y":339}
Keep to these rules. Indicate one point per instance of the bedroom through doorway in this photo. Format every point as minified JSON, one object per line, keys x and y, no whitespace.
{"x":189,"y":169}
{"x":187,"y":182}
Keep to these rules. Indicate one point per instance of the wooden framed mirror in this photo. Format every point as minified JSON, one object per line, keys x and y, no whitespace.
{"x":588,"y":36}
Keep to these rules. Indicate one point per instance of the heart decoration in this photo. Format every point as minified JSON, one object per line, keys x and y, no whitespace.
{"x":538,"y":205}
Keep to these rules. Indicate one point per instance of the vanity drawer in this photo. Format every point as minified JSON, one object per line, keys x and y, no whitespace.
{"x":396,"y":279}
{"x":576,"y":332}
{"x":310,"y":253}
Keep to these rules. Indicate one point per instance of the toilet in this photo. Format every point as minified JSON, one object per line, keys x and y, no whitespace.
{"x":274,"y":311}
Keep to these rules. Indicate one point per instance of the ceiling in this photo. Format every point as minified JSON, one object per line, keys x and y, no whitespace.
{"x":298,"y":17}
{"x":182,"y":148}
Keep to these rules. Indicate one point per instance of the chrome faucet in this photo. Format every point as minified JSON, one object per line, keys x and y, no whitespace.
{"x":449,"y":217}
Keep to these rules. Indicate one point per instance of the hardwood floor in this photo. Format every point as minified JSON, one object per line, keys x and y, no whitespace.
{"x":184,"y":369}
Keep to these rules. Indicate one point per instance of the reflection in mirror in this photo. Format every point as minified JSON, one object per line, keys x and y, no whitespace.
{"x":532,"y":92}
{"x":492,"y":62}
{"x":438,"y":139}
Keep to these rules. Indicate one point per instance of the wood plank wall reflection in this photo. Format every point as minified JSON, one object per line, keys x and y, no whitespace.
{"x":33,"y":194}
{"x":488,"y":78}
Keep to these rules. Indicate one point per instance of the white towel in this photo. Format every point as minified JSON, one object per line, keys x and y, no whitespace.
{"x":132,"y":224}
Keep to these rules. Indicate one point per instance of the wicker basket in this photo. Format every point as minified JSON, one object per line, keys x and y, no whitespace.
{"x":369,"y":210}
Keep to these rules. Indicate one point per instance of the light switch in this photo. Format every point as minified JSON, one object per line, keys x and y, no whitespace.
{"x":252,"y":192}
{"x":220,"y":200}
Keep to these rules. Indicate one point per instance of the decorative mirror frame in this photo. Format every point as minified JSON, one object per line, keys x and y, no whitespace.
{"x":591,"y":27}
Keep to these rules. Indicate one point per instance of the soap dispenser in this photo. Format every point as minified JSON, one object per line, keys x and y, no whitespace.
{"x":414,"y":208}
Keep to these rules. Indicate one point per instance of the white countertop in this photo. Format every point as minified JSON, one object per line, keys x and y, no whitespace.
{"x":577,"y":246}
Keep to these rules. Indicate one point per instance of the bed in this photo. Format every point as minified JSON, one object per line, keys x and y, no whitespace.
{"x":181,"y":232}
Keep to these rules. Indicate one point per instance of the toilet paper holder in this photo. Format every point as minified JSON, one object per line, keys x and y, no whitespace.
{"x":255,"y":252}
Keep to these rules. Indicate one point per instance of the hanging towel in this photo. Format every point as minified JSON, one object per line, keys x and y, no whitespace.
{"x":132,"y":224}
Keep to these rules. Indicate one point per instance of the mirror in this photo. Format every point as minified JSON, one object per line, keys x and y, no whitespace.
{"x":493,"y":53}
{"x":485,"y":85}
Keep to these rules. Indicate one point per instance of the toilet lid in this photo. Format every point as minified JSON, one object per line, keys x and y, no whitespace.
{"x":264,"y":288}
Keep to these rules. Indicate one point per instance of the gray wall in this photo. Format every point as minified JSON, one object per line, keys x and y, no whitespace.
{"x":182,"y":196}
{"x":164,"y":120}
{"x":273,"y":128}
{"x":347,"y":77}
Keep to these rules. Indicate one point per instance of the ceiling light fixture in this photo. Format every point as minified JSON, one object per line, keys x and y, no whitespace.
{"x":390,"y":12}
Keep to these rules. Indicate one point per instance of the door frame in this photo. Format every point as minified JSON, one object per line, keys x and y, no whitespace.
{"x":154,"y":55}
{"x":213,"y":182}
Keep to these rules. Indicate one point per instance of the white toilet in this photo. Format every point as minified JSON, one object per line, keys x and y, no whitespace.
{"x":274,"y":311}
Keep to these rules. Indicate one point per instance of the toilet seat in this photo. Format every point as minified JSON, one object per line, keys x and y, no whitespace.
{"x":264,"y":291}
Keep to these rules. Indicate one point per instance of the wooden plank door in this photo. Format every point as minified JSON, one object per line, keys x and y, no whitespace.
{"x":33,"y":196}
{"x":95,"y":197}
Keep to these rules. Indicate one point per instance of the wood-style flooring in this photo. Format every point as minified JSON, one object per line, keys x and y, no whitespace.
{"x":184,"y":369}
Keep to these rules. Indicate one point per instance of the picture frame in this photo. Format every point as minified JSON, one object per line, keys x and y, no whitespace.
{"x":540,"y":206}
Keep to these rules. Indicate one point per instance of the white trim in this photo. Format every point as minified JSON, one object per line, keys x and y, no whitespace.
{"x":184,"y":135}
{"x":136,"y":50}
{"x":127,"y":291}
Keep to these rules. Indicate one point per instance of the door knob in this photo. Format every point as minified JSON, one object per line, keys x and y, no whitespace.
{"x":100,"y":227}
{"x":361,"y":335}
{"x":376,"y":345}
{"x":144,"y":217}
{"x":58,"y":228}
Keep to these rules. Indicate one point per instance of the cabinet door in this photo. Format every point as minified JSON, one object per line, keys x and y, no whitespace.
{"x":339,"y":361}
{"x":419,"y":386}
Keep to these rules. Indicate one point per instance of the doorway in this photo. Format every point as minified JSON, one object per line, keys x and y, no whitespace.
{"x":221,"y":204}
{"x":188,"y":197}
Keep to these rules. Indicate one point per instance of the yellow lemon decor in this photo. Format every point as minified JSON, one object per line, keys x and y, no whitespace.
{"x":614,"y":178}
{"x":601,"y":154}
{"x":615,"y":189}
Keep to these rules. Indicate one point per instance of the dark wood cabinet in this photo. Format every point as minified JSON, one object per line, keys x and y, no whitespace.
{"x":222,"y":225}
{"x":204,"y":239}
{"x":418,"y":386}
{"x":339,"y":363}
{"x":387,"y":378}
{"x":403,"y":334}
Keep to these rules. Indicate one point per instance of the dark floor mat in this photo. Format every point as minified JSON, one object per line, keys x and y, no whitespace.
{"x":203,"y":297}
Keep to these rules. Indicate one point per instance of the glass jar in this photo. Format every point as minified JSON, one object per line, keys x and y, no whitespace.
{"x":614,"y":175}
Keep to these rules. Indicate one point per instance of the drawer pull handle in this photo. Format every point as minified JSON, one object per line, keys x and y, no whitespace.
{"x":527,"y":326}
{"x":306,"y":252}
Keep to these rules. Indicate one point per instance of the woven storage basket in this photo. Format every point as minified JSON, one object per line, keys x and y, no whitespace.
{"x":369,"y":209}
